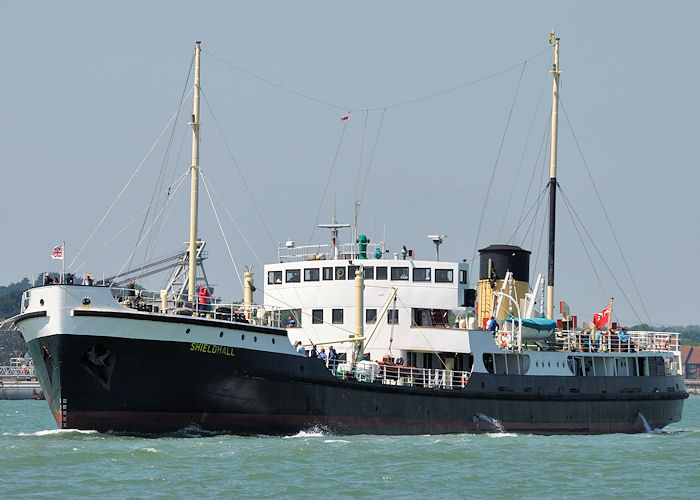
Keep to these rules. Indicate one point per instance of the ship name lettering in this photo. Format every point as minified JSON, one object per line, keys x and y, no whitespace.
{"x":212,"y":349}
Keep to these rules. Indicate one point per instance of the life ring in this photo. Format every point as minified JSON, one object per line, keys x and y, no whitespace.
{"x":504,"y":339}
{"x":340,"y":273}
{"x":465,"y":381}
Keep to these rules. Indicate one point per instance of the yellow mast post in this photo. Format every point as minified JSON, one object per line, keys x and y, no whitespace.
{"x":194,"y":184}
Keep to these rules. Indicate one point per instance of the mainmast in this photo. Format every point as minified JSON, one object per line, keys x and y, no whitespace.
{"x":194,"y":185}
{"x":553,"y":177}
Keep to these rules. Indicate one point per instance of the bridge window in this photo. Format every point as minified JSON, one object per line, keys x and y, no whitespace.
{"x":443,"y":276}
{"x":370,"y":316}
{"x":399,"y":273}
{"x":338,"y":316}
{"x":317,"y":316}
{"x":274,"y":277}
{"x":327,"y":273}
{"x":369,"y":272}
{"x":381,"y":272}
{"x":340,"y":273}
{"x":311,"y":274}
{"x":421,"y":274}
{"x":392,"y":316}
{"x":293,"y":275}
{"x":351,"y":272}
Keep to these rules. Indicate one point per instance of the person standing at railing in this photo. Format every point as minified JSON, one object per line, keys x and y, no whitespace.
{"x":333,"y":359}
{"x":204,"y":299}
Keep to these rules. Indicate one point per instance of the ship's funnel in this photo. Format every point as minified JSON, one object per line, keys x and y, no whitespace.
{"x":494,"y":262}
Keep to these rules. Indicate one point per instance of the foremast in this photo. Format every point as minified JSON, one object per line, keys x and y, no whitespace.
{"x":553,"y":176}
{"x":194,"y":184}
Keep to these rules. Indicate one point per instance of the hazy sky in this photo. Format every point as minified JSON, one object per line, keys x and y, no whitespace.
{"x":90,"y":86}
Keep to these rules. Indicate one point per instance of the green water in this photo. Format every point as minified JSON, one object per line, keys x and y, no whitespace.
{"x":38,"y":461}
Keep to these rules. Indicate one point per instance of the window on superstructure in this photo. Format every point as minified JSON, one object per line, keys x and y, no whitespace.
{"x":399,"y":273}
{"x":317,"y":316}
{"x":311,"y":274}
{"x":392,"y":316}
{"x":370,"y":316}
{"x":351,"y":272}
{"x":381,"y":273}
{"x":293,"y":275}
{"x":421,"y":274}
{"x":340,"y":272}
{"x":443,"y":276}
{"x":327,"y":273}
{"x":337,"y":316}
{"x":274,"y":277}
{"x":369,"y":272}
{"x":462,"y":277}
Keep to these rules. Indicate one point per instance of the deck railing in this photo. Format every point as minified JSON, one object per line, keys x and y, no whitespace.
{"x":323,"y":252}
{"x":407,"y":376}
{"x":636,"y":341}
{"x":214,"y":308}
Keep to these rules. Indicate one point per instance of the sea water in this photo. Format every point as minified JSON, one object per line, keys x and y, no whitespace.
{"x":39,"y":461}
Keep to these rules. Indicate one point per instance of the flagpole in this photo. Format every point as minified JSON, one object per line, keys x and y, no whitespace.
{"x":63,"y":263}
{"x":610,"y":317}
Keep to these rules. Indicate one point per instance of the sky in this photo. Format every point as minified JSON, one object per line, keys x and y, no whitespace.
{"x":448,"y":106}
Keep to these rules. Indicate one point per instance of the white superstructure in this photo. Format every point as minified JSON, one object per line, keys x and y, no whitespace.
{"x":426,"y":314}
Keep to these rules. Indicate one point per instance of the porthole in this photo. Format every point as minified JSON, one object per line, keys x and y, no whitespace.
{"x":537,"y":363}
{"x":187,"y":331}
{"x":301,"y":367}
{"x":221,"y":334}
{"x":41,"y":302}
{"x":243,"y":337}
{"x":273,"y":340}
{"x":255,"y":339}
{"x":549,"y":363}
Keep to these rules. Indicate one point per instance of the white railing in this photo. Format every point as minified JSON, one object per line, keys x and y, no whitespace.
{"x":17,"y":371}
{"x":407,"y":376}
{"x":323,"y":252}
{"x":636,"y":341}
{"x":214,"y":308}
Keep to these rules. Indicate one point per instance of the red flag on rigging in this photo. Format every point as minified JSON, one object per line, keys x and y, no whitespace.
{"x":602,"y":318}
{"x":345,"y":117}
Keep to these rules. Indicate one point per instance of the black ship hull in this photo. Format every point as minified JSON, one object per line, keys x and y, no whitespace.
{"x":146,"y":386}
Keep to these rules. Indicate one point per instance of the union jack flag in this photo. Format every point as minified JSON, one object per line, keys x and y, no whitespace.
{"x":57,"y":252}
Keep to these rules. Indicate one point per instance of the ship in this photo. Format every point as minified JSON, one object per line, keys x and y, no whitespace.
{"x":411,"y":353}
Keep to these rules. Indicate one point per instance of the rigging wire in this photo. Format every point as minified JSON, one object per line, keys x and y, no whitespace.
{"x":362,"y":154}
{"x":238,"y":169}
{"x":600,"y":254}
{"x":163,"y":164}
{"x":238,"y":228}
{"x":223,"y":234}
{"x":377,"y":108}
{"x":543,"y":142}
{"x":99,"y":250}
{"x":148,"y":231}
{"x":371,"y":161}
{"x":607,"y":217}
{"x":148,"y":154}
{"x":330,"y":174}
{"x":522,"y":158}
{"x":583,"y":243}
{"x":495,"y":165}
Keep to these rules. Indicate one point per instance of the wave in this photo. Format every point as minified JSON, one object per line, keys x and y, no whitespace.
{"x":51,"y":432}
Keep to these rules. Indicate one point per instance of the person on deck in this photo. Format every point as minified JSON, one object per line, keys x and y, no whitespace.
{"x":131,"y":289}
{"x":291,"y":322}
{"x":314,"y":352}
{"x":89,"y":280}
{"x":333,"y":358}
{"x":322,"y":355}
{"x":204,"y":299}
{"x":492,"y":325}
